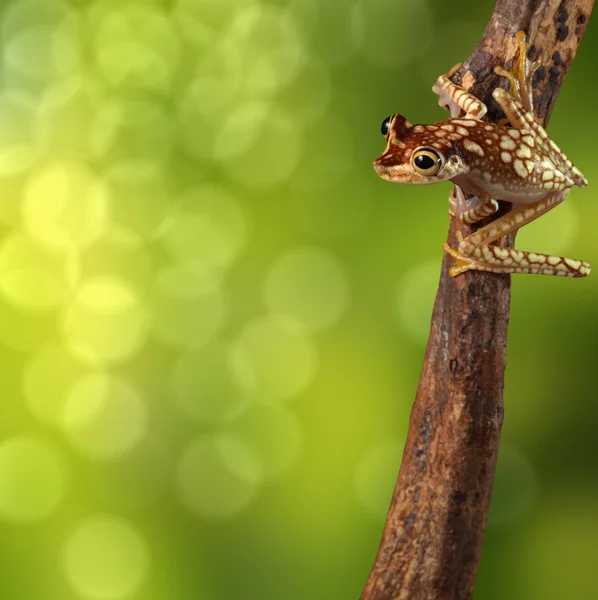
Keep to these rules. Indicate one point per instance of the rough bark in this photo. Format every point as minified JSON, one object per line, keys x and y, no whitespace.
{"x":434,"y":531}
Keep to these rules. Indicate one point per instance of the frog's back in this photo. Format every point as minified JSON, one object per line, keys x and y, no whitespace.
{"x":503,"y":162}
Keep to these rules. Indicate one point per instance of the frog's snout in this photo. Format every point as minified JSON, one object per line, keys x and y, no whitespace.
{"x":379,"y":168}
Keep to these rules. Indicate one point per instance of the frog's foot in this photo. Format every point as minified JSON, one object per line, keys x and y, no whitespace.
{"x":520,"y":78}
{"x":455,"y":99}
{"x":463,"y":263}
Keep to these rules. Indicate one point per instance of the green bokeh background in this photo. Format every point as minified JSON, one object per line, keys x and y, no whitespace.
{"x":213,"y":313}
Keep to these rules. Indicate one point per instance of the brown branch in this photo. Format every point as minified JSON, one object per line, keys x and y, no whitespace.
{"x":435,"y":526}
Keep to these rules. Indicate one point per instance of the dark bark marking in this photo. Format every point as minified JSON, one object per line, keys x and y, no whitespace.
{"x":538,"y":76}
{"x":532,"y":52}
{"x":558,"y":61}
{"x":554,"y":75}
{"x":562,"y":31}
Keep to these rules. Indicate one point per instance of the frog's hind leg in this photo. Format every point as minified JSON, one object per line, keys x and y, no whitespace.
{"x":476,"y":251}
{"x":503,"y":260}
{"x":454,"y":98}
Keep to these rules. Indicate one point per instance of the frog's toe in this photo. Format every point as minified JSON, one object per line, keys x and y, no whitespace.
{"x":458,"y":269}
{"x":463,"y":263}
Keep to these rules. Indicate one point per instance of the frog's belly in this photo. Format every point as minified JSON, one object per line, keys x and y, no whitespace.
{"x":517,"y":194}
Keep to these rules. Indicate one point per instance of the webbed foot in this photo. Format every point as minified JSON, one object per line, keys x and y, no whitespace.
{"x":520,"y":78}
{"x":463,"y":262}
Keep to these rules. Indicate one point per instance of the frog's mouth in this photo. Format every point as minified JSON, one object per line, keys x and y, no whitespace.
{"x":395,"y":173}
{"x":383,"y":170}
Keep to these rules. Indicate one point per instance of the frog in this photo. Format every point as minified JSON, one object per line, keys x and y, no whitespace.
{"x":512,"y":161}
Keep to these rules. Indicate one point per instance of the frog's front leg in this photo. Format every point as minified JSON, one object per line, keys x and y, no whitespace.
{"x":517,"y":106}
{"x":476,"y":251}
{"x":520,"y":78}
{"x":454,"y":98}
{"x":470,"y":210}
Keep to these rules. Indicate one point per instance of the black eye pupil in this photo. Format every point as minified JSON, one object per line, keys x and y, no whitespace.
{"x":424,"y":162}
{"x":385,"y":126}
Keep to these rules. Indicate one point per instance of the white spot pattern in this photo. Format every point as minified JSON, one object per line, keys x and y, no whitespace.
{"x":520,"y":169}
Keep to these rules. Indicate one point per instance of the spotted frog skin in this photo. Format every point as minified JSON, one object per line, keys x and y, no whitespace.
{"x":487,"y":162}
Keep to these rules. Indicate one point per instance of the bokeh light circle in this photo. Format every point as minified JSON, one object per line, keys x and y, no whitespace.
{"x":24,"y":331}
{"x":34,"y":12}
{"x":329,"y":28}
{"x":263,"y":443}
{"x":143,"y":202}
{"x":33,"y":276}
{"x":240,"y":130}
{"x":327,"y":159}
{"x":32,"y":479}
{"x":121,"y":254}
{"x":373,"y":31}
{"x":43,"y":52}
{"x":272,"y":50}
{"x":65,"y":205}
{"x":106,"y":559}
{"x":19,"y":146}
{"x":305,"y":14}
{"x":308,"y":285}
{"x":135,"y":45}
{"x":49,"y":375}
{"x":137,"y":479}
{"x":204,"y":387}
{"x":273,"y":358}
{"x":145,"y":134}
{"x":185,"y":313}
{"x":104,"y":418}
{"x":202,"y":107}
{"x":76,"y":118}
{"x":105,"y":322}
{"x":309,"y":95}
{"x":206,"y":17}
{"x":274,"y":154}
{"x":189,"y":280}
{"x":210,"y":231}
{"x":206,"y":484}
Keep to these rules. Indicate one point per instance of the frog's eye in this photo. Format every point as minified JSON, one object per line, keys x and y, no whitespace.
{"x":385,"y":126}
{"x":427,"y":161}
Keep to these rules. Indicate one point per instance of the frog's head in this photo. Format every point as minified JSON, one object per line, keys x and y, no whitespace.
{"x":415,"y":154}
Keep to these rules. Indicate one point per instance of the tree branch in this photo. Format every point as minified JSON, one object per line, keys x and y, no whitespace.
{"x":434,"y":531}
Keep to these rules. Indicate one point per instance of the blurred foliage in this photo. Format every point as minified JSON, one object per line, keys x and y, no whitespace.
{"x":213,"y":313}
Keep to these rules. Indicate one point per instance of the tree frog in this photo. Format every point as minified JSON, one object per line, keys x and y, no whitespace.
{"x":487,"y":162}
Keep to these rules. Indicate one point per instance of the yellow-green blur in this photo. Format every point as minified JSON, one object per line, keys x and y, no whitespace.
{"x":213,"y":312}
